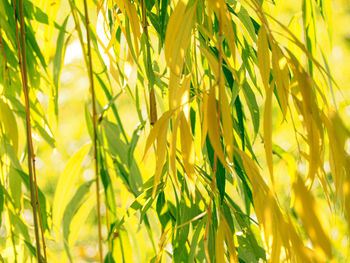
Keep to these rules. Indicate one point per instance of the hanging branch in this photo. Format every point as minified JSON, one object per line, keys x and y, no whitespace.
{"x":5,"y":59}
{"x":213,"y":182}
{"x":149,"y":70}
{"x":31,"y":156}
{"x":94,"y":116}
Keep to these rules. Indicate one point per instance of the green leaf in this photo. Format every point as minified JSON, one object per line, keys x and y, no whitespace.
{"x":80,"y":217}
{"x":66,"y":185}
{"x":33,"y":46}
{"x":70,"y":211}
{"x":134,"y":139}
{"x":30,"y":11}
{"x":120,"y":149}
{"x":252,"y":105}
{"x":221,"y":179}
{"x":45,"y":135}
{"x":32,"y":249}
{"x":1,"y":202}
{"x":41,"y":197}
{"x":9,"y":124}
{"x":162,"y":210}
{"x":199,"y":232}
{"x":109,"y":258}
{"x":88,"y":121}
{"x":15,"y":187}
{"x":240,"y":117}
{"x":246,"y":20}
{"x":109,"y":192}
{"x":20,"y":226}
{"x":58,"y":61}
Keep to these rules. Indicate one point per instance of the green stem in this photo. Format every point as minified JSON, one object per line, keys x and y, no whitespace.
{"x":94,"y":116}
{"x":5,"y":60}
{"x":3,"y":181}
{"x":152,"y":97}
{"x":31,"y":157}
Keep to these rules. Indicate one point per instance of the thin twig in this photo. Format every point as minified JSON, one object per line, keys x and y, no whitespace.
{"x":5,"y":59}
{"x":39,"y":211}
{"x":17,"y":36}
{"x":152,"y":98}
{"x":31,"y":156}
{"x":94,"y":116}
{"x":215,"y":155}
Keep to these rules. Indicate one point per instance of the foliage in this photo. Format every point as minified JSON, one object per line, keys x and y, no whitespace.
{"x":214,"y":133}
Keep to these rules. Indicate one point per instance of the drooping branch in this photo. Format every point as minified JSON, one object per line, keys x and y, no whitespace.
{"x":31,"y":156}
{"x":94,"y":118}
{"x":152,"y":97}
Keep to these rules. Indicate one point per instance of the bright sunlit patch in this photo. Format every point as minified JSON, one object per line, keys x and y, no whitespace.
{"x":335,"y":233}
{"x":42,"y":98}
{"x":282,"y":63}
{"x":36,"y":136}
{"x":66,"y":77}
{"x":88,"y":175}
{"x":239,"y":233}
{"x":38,"y":163}
{"x":28,"y":216}
{"x":47,"y":129}
{"x":73,"y":52}
{"x":347,"y":146}
{"x":344,"y":242}
{"x":326,"y":167}
{"x":238,"y":7}
{"x":347,"y":110}
{"x":286,"y":145}
{"x":127,"y":69}
{"x":301,"y":168}
{"x":337,"y":53}
{"x":91,"y":251}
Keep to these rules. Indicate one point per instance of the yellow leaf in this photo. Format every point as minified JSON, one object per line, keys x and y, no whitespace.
{"x":158,"y":126}
{"x":213,"y":63}
{"x":225,"y":108}
{"x":219,"y":244}
{"x":213,"y":127}
{"x":66,"y":185}
{"x":272,"y":221}
{"x":311,"y":117}
{"x":339,"y":159}
{"x":173,"y":87}
{"x":160,"y":155}
{"x":177,"y":97}
{"x":173,"y":28}
{"x":130,"y":10}
{"x":80,"y":217}
{"x":8,"y":121}
{"x":281,"y":75}
{"x":172,"y":148}
{"x":306,"y":208}
{"x":220,"y":8}
{"x":268,"y":130}
{"x":204,"y":118}
{"x":229,"y":240}
{"x":266,"y":207}
{"x":187,"y":150}
{"x":178,"y":36}
{"x":264,"y":57}
{"x":135,"y":24}
{"x":226,"y":121}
